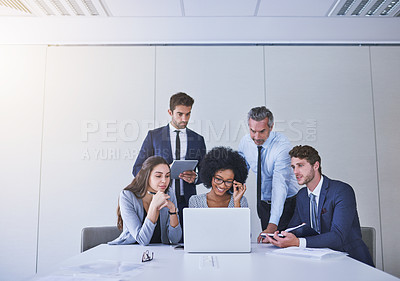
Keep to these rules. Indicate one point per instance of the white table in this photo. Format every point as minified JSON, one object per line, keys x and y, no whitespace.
{"x":260,"y":264}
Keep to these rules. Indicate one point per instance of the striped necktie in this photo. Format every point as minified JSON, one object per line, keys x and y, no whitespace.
{"x":314,"y":211}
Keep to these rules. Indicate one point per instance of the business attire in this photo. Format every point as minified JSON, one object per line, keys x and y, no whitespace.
{"x":279,"y":186}
{"x":162,"y":142}
{"x":200,"y":201}
{"x":336,"y":219}
{"x":138,"y":228}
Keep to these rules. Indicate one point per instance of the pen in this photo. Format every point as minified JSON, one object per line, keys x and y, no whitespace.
{"x":264,"y":235}
{"x":295,"y":227}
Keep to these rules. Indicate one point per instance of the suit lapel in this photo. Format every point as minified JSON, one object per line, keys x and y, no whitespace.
{"x":190,"y":142}
{"x":166,"y":144}
{"x":322,"y":196}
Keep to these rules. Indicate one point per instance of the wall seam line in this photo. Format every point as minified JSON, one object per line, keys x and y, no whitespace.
{"x":265,"y":77}
{"x":155,"y":85}
{"x":376,"y":157}
{"x":41,"y":163}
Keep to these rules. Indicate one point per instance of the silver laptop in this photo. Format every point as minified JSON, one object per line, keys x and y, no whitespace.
{"x":216,"y":230}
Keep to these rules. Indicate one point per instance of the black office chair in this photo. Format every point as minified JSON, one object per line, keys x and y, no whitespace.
{"x":93,"y":236}
{"x":369,"y":238}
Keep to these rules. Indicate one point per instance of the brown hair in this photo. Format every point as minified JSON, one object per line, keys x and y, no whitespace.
{"x":180,"y":99}
{"x":306,"y":152}
{"x":140,"y":183}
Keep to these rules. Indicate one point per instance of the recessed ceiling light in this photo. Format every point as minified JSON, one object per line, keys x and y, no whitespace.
{"x":15,"y":4}
{"x":60,"y":7}
{"x":91,"y":8}
{"x":75,"y":7}
{"x":357,"y":11}
{"x":374,"y":7}
{"x":44,"y":7}
{"x":346,"y":6}
{"x":389,"y":7}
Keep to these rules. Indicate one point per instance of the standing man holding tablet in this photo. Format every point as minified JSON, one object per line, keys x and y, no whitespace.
{"x":175,"y":142}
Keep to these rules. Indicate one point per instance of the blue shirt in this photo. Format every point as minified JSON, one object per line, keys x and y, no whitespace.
{"x":277,"y":178}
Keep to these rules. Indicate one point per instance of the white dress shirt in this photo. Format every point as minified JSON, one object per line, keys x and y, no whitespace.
{"x":316,"y":192}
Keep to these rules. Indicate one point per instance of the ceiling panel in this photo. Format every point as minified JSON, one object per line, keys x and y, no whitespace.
{"x":212,"y":8}
{"x":295,"y":8}
{"x":140,"y":8}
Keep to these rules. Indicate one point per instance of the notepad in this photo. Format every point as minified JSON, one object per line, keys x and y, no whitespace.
{"x":310,"y":253}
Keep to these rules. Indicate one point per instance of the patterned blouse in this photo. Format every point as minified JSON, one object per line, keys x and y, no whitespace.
{"x":200,"y":201}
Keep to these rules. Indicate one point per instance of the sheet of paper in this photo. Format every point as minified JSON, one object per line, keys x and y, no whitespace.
{"x":313,"y":253}
{"x":78,"y":278}
{"x":100,"y":270}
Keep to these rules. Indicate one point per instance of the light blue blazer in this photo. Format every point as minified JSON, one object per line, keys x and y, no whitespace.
{"x":134,"y":230}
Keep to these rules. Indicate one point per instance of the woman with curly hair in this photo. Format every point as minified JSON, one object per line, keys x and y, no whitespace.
{"x":147,"y":210}
{"x":224,"y":171}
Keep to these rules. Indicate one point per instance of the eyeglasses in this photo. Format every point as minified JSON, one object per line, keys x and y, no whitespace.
{"x":146,"y":256}
{"x":219,"y":181}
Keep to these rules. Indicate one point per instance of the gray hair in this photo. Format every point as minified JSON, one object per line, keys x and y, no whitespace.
{"x":260,"y":113}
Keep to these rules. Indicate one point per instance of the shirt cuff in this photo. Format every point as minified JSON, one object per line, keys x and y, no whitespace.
{"x":274,"y":220}
{"x":302,"y":243}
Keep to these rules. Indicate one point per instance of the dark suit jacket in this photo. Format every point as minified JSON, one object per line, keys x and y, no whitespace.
{"x":157,"y":142}
{"x":338,"y":218}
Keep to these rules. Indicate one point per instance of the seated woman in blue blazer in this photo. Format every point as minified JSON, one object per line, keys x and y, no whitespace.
{"x":147,"y":210}
{"x":224,"y":171}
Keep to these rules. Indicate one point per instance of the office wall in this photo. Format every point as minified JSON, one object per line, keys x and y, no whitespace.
{"x":234,"y":72}
{"x":328,"y":105}
{"x":99,"y":103}
{"x":98,"y":100}
{"x":22,"y":76}
{"x":385,"y":66}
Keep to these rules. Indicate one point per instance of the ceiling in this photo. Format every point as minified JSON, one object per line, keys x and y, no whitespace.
{"x":199,"y":22}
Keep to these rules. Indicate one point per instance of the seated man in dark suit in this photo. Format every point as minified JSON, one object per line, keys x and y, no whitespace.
{"x":328,"y":206}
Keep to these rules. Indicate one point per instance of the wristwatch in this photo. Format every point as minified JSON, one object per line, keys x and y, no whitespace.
{"x":173,"y":213}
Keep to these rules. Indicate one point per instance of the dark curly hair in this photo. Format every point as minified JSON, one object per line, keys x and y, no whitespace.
{"x":222,"y":158}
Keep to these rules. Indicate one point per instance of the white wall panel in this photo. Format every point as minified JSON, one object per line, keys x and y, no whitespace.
{"x":321,"y":96}
{"x":385,"y":63}
{"x":22,"y":71}
{"x":99,"y":102}
{"x":225,"y":83}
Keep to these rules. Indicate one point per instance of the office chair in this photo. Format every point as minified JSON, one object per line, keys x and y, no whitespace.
{"x":369,"y":238}
{"x":93,"y":236}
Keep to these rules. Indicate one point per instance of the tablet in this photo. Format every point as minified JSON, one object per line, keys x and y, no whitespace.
{"x":264,"y":235}
{"x":179,"y":166}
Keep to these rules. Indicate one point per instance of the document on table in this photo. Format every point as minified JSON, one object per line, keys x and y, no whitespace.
{"x":311,"y":253}
{"x":100,"y":270}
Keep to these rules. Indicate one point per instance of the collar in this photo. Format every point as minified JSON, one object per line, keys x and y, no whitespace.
{"x":172,"y":129}
{"x":317,"y":190}
{"x":267,"y":142}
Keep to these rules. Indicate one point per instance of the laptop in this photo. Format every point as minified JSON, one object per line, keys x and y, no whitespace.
{"x":216,"y":230}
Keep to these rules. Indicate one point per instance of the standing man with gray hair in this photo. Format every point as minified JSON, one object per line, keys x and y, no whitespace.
{"x":267,"y":154}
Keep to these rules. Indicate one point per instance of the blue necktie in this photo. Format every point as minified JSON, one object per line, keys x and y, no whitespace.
{"x":314,"y":211}
{"x":259,"y":176}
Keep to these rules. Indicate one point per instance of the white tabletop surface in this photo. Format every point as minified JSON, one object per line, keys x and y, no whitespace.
{"x":260,"y":264}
